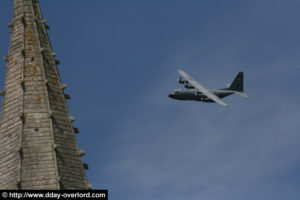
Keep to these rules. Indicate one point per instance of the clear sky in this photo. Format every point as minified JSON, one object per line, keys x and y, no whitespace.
{"x":119,"y":59}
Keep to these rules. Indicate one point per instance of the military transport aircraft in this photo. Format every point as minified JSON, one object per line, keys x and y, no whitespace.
{"x":193,"y":90}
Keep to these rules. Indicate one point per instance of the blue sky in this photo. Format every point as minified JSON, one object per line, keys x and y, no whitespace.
{"x":119,"y":60}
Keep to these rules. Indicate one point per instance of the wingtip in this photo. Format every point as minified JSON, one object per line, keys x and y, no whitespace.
{"x":223,"y":104}
{"x":180,"y":71}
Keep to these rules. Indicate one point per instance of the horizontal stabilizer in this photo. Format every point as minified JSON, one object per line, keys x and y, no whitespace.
{"x":242,"y":94}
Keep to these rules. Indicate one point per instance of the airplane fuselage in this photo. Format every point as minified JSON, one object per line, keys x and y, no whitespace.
{"x":194,"y":94}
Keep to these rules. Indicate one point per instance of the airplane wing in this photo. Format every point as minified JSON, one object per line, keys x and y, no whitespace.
{"x":201,"y":88}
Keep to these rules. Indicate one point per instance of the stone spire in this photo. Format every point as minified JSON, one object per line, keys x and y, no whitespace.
{"x":38,"y":148}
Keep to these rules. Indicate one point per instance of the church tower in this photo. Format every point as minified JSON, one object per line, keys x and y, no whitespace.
{"x":38,"y":148}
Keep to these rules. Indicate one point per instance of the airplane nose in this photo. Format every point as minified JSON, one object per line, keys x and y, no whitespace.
{"x":171,"y":95}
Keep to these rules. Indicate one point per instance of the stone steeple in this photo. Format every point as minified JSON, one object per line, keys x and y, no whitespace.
{"x":38,"y":148}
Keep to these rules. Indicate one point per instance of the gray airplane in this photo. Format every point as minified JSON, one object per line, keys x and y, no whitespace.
{"x":193,"y":90}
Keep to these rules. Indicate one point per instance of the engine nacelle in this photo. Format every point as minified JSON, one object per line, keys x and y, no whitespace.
{"x":189,"y":86}
{"x":207,"y":100}
{"x":182,"y":81}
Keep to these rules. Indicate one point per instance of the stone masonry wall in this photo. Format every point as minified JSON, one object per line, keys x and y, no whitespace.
{"x":38,"y":148}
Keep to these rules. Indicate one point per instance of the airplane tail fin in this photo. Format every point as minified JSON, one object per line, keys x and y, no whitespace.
{"x":238,"y":83}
